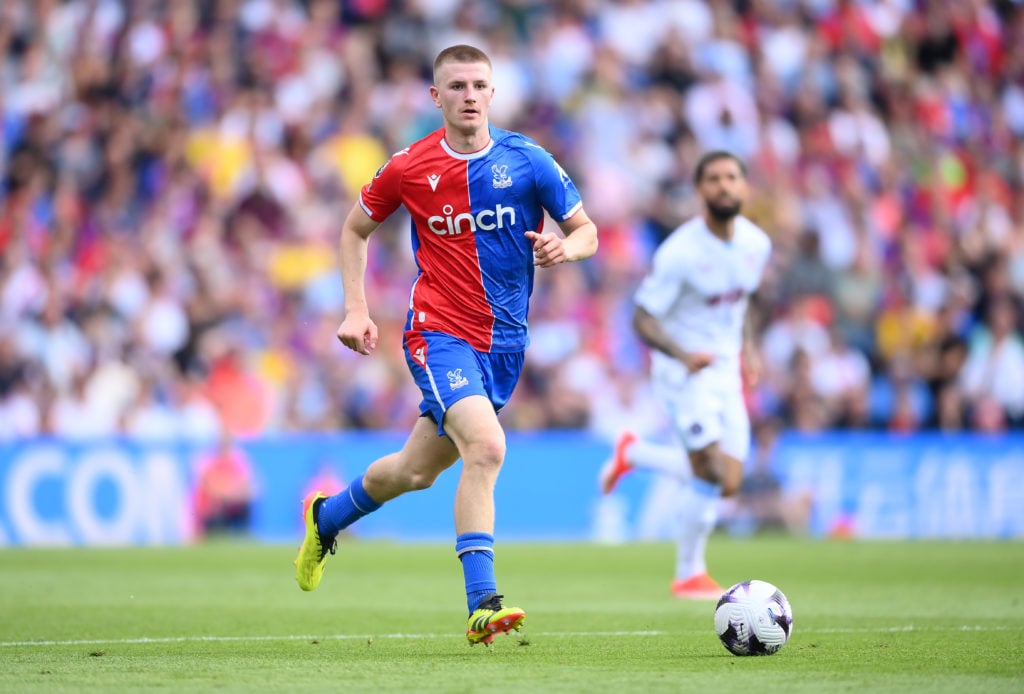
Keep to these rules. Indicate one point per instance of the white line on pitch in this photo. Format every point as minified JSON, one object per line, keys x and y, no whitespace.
{"x":185,"y":639}
{"x":558,"y":634}
{"x":909,"y":627}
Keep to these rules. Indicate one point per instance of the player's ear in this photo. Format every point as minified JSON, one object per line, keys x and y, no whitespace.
{"x":435,"y":95}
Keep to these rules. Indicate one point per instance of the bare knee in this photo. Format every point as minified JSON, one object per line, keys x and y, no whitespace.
{"x":485,"y":454}
{"x":713,"y":465}
{"x":418,"y":479}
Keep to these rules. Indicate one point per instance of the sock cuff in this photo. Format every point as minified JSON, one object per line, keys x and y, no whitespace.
{"x":474,"y":542}
{"x":705,"y":488}
{"x":360,"y":498}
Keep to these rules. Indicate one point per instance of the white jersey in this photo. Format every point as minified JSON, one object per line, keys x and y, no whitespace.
{"x":698,"y":287}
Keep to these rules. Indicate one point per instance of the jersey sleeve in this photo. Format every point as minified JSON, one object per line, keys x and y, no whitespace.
{"x":662,"y":285}
{"x":383,"y":194}
{"x":557,"y":192}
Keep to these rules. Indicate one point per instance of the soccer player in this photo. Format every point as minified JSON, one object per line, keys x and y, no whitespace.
{"x":691,"y":310}
{"x":477,"y":196}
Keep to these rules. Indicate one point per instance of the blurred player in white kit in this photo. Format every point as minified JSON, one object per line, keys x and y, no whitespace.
{"x":691,"y":310}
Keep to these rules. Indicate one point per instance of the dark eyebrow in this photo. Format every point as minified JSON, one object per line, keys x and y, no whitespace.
{"x":461,"y":82}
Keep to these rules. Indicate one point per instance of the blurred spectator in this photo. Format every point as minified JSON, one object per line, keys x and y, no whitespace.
{"x":242,"y":399}
{"x":224,"y":490}
{"x":20,"y":414}
{"x":994,"y":370}
{"x":800,"y":329}
{"x":841,"y":378}
{"x":198,"y":418}
{"x":172,"y":175}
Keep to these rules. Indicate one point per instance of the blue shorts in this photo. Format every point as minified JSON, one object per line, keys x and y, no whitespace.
{"x":447,"y":369}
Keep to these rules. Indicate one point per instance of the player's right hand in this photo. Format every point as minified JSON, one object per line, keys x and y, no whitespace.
{"x":695,"y":361}
{"x":358,"y":332}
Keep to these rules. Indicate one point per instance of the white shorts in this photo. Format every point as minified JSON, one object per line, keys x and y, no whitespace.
{"x":704,"y":412}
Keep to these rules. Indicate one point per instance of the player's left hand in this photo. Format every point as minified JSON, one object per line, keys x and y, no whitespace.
{"x":548,"y":249}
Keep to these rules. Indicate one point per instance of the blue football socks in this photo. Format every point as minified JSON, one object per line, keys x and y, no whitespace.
{"x":345,"y":508}
{"x":476,"y":551}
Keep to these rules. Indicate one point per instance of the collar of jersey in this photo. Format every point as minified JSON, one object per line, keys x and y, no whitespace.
{"x":462,"y":155}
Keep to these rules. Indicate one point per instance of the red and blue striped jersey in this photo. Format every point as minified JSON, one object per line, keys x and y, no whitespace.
{"x":469,"y":214}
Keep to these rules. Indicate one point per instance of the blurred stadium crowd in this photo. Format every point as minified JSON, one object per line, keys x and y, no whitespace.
{"x":174,"y":175}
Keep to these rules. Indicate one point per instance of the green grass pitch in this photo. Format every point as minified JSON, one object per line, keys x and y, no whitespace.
{"x":389,"y":617}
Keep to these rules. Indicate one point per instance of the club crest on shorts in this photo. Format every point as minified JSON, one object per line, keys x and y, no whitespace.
{"x":456,"y":380}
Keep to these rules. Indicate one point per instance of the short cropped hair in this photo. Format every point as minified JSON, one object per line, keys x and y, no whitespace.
{"x":460,"y":53}
{"x":714,"y":156}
